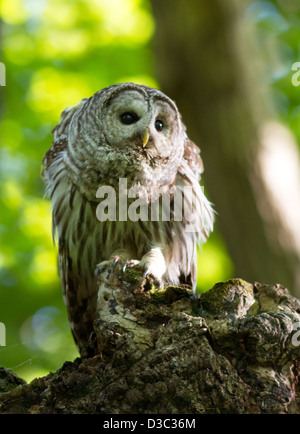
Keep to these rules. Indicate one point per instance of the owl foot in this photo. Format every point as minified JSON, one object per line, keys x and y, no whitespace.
{"x":107,"y":269}
{"x":130,"y":264}
{"x":117,"y":258}
{"x":152,"y":265}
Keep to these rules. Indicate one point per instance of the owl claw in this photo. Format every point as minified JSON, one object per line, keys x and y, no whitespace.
{"x":107,"y":266}
{"x":131,"y":263}
{"x":115,"y":261}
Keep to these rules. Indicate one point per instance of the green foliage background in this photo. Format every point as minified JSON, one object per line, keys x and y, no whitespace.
{"x":57,"y":52}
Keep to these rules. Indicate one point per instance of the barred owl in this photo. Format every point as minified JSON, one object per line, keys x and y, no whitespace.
{"x":134,"y":133}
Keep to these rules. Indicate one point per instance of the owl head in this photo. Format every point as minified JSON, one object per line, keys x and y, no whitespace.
{"x":127,"y":117}
{"x":125,"y":125}
{"x":143,"y":120}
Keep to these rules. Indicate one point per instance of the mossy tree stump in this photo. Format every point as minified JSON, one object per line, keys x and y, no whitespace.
{"x":234,"y":349}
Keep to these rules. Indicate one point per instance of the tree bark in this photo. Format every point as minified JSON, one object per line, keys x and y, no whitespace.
{"x":231,"y":350}
{"x":207,"y":62}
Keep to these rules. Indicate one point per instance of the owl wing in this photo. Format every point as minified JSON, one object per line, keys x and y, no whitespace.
{"x":60,"y":135}
{"x":191,"y":171}
{"x":192,"y":157}
{"x":69,"y":217}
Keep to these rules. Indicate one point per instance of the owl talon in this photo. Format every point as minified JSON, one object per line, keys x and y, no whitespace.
{"x":129,"y":264}
{"x":115,"y":261}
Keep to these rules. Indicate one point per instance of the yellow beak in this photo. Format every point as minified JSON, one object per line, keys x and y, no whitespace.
{"x":145,"y":137}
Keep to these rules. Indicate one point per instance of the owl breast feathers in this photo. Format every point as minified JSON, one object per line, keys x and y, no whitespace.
{"x":129,"y":135}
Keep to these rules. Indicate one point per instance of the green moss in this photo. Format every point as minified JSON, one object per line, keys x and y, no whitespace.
{"x":218,"y":298}
{"x":169,"y":294}
{"x":133,"y":275}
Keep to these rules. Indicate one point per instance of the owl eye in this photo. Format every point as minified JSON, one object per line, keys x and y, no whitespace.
{"x":159,"y":125}
{"x":128,"y":118}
